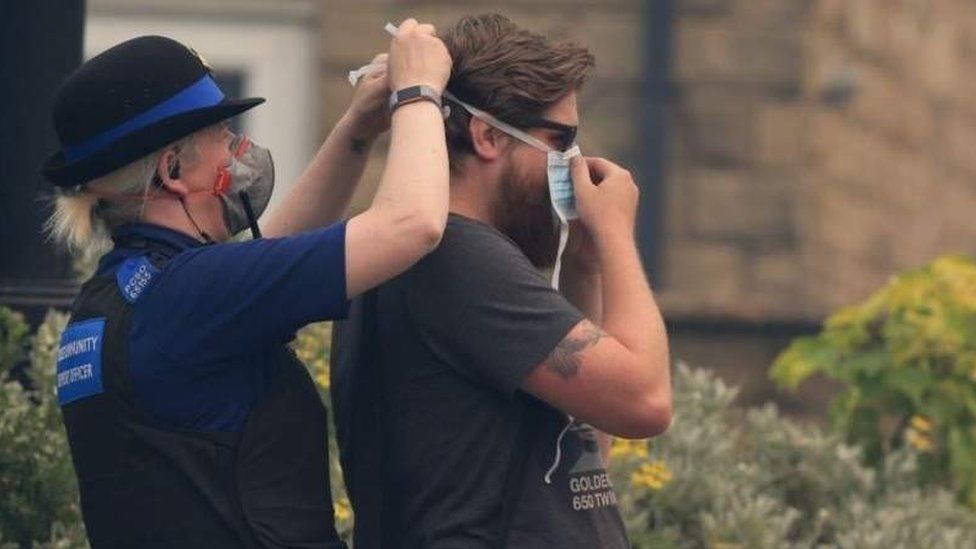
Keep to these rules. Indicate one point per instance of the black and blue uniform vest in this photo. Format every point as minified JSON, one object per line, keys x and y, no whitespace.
{"x":147,"y":485}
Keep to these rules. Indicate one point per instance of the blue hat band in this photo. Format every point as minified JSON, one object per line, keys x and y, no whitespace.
{"x":202,"y":93}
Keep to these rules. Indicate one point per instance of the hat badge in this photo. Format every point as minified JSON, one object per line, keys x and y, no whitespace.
{"x":200,"y":57}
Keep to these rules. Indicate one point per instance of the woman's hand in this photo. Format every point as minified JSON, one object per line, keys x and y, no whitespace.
{"x":368,"y":111}
{"x":418,"y":57}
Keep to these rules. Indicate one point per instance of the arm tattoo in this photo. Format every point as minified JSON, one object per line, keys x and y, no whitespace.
{"x":358,"y":145}
{"x":564,"y":359}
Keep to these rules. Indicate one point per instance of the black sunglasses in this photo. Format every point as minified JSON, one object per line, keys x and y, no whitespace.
{"x":565,"y":134}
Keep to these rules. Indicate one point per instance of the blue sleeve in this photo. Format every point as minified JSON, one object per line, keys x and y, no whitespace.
{"x":228,"y":299}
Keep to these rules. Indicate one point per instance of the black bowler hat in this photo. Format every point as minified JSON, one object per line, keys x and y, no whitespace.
{"x":129,"y":101}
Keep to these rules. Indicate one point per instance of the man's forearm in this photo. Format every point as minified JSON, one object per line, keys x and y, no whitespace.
{"x":415,"y":179}
{"x":630,"y":313}
{"x":322,"y":194}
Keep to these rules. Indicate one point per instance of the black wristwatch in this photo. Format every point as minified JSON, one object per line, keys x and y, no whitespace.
{"x":412,"y":95}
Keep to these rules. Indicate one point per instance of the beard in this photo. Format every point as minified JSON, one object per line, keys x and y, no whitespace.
{"x":524,"y":214}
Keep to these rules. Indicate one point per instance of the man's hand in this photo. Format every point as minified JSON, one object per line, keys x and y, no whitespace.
{"x":418,"y":57}
{"x":368,"y":111}
{"x":606,"y":198}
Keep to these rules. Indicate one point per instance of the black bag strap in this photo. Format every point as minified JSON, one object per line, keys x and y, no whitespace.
{"x":368,"y":457}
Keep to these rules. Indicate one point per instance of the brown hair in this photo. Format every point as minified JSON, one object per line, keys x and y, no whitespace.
{"x":509,"y":72}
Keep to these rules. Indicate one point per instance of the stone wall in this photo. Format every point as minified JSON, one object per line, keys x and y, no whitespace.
{"x":890,"y":183}
{"x":734,"y":170}
{"x":817,"y":149}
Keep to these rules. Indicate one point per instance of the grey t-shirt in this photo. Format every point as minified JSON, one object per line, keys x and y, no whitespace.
{"x":456,"y":336}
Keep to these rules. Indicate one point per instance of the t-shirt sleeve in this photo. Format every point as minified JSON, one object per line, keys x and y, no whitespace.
{"x":483,"y":308}
{"x":232,"y":298}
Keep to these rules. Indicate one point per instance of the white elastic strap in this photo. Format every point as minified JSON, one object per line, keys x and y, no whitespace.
{"x":355,"y":75}
{"x":559,"y":452}
{"x":507,"y":128}
{"x":563,"y":238}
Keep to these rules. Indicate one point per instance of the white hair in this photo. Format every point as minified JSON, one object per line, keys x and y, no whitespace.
{"x":83,"y":220}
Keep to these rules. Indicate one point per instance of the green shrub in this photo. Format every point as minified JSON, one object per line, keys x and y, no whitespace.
{"x":38,"y":490}
{"x":724,"y":477}
{"x":906,"y":358}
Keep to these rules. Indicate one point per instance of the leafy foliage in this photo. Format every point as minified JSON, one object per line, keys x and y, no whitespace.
{"x":38,"y":490}
{"x":907,"y":360}
{"x":728,"y":477}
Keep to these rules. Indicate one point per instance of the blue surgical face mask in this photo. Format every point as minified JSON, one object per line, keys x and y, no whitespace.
{"x":561,"y":191}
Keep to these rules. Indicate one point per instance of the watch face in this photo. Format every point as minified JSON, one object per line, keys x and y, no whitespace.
{"x":412,"y":92}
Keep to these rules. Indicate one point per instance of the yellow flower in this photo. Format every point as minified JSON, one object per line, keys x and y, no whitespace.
{"x":919,"y":423}
{"x":920,"y":441}
{"x":653,"y":475}
{"x":342,"y":509}
{"x":725,"y":545}
{"x":624,"y":448}
{"x":322,"y":378}
{"x":312,"y":348}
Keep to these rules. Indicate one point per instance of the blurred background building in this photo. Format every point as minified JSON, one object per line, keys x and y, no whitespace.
{"x":793,"y":154}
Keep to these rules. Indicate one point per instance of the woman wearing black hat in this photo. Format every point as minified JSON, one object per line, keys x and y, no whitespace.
{"x":191,"y":424}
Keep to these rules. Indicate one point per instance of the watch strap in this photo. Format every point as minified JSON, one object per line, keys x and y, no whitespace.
{"x":413,"y":94}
